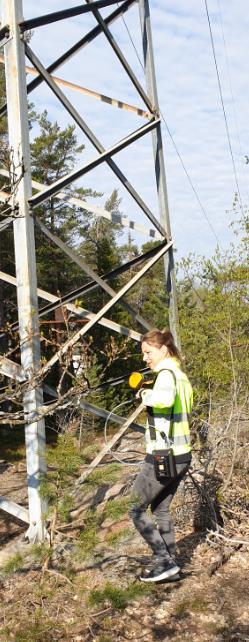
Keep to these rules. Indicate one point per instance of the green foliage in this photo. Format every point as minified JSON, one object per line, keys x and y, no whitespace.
{"x":109,"y":474}
{"x":40,"y":552}
{"x":99,"y":246}
{"x":196,"y":603}
{"x":214,"y":323}
{"x":149,"y":296}
{"x":88,"y":453}
{"x":119,"y":598}
{"x":49,"y":488}
{"x":116,"y":508}
{"x":54,"y":151}
{"x":13,"y":565}
{"x":65,"y":505}
{"x":64,"y":462}
{"x":65,"y":457}
{"x":37,"y":629}
{"x":89,"y":537}
{"x":115,"y":538}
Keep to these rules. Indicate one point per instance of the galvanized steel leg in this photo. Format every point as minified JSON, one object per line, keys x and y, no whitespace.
{"x":25,"y":262}
{"x":159,"y":166}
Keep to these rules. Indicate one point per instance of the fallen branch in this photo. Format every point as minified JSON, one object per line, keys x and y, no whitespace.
{"x":53,"y":572}
{"x":229,"y":540}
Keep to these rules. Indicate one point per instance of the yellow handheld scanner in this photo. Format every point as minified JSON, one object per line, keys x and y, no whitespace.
{"x":137,"y":380}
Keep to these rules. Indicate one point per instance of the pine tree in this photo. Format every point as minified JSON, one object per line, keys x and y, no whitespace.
{"x":54,"y":152}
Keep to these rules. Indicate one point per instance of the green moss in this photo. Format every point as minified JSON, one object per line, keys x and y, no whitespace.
{"x":43,"y":590}
{"x":219,"y":495}
{"x":6,"y":632}
{"x":198,"y":604}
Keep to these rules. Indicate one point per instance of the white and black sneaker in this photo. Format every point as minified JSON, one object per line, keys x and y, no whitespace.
{"x":162,"y":570}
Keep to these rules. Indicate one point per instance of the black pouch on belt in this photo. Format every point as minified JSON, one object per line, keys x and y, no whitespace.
{"x":164,"y":464}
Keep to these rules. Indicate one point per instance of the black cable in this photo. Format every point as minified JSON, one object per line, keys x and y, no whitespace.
{"x":174,"y":144}
{"x":223,"y":107}
{"x":231,"y":87}
{"x":115,"y":382}
{"x":190,"y":181}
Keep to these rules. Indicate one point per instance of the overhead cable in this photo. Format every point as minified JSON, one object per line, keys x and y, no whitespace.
{"x":174,"y":144}
{"x":223,"y":107}
{"x":230,"y":84}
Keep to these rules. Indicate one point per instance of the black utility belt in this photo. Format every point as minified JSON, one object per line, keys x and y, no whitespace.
{"x":165,"y":462}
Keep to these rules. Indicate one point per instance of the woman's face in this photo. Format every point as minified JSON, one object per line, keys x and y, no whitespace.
{"x":152,"y":355}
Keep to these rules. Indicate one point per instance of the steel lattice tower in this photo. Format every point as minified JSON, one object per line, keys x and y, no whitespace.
{"x":24,"y":203}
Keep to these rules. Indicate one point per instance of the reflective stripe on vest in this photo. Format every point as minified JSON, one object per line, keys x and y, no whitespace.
{"x":174,"y":417}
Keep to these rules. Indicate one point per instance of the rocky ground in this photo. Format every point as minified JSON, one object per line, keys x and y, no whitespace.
{"x":86,"y":587}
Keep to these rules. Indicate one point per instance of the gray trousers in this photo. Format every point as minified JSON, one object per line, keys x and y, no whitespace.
{"x":157,"y":531}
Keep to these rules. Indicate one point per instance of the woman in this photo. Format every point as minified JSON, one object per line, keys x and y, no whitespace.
{"x":169,"y":404}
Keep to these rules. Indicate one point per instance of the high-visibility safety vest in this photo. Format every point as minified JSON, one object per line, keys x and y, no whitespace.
{"x":169,"y":405}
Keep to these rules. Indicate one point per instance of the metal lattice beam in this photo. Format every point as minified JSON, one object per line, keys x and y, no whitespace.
{"x":14,"y":509}
{"x":13,"y":370}
{"x":120,"y":104}
{"x":87,"y":39}
{"x":160,"y":175}
{"x":108,"y":306}
{"x":49,"y":18}
{"x":53,"y":189}
{"x":21,"y":203}
{"x":104,"y":154}
{"x":85,"y":205}
{"x":82,"y":264}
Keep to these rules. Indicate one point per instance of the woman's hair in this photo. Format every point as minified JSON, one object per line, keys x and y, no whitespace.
{"x":161,"y":338}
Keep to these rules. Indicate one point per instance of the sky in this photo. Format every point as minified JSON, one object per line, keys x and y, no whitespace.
{"x":205,"y":139}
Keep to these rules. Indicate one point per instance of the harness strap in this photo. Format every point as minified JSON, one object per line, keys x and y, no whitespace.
{"x":150,"y":415}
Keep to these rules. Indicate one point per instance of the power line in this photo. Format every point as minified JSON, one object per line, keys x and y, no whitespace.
{"x":174,"y":144}
{"x":230,"y":83}
{"x":223,"y":107}
{"x":190,"y":181}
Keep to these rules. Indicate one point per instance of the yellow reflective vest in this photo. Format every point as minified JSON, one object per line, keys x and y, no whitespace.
{"x":169,"y":404}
